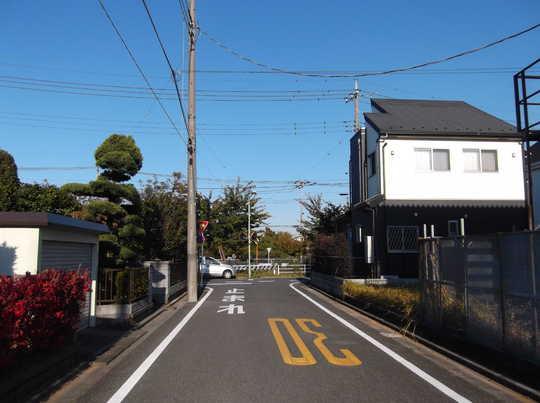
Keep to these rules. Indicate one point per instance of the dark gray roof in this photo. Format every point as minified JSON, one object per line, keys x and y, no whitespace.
{"x":430,"y":117}
{"x":453,"y":203}
{"x":20,"y":219}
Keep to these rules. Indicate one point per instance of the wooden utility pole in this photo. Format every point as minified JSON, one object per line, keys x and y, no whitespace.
{"x":192,"y":258}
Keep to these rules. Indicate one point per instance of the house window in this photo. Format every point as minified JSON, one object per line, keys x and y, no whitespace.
{"x":489,"y":161}
{"x":480,"y":160}
{"x":428,"y":159}
{"x":453,"y":228}
{"x":402,"y":239}
{"x":372,"y":164}
{"x":358,"y":234}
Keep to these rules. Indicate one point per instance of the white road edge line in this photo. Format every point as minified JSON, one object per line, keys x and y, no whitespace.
{"x":136,"y":376}
{"x":409,"y":365}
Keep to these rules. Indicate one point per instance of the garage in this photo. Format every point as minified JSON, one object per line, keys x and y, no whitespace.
{"x":65,"y":255}
{"x":33,"y":242}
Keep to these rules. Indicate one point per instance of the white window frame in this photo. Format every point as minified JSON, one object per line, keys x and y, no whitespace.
{"x":431,"y":162}
{"x":480,"y":165}
{"x":402,"y":228}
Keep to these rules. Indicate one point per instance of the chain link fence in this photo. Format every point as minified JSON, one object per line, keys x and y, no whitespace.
{"x":484,"y":289}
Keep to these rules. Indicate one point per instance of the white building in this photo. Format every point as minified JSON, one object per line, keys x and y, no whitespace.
{"x":444,"y":164}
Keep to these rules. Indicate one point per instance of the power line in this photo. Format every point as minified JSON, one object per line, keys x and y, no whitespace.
{"x":224,"y":181}
{"x":212,"y":98}
{"x":162,"y":132}
{"x":186,"y":14}
{"x":137,"y":90}
{"x":364,"y":74}
{"x":207,"y":126}
{"x":139,"y":68}
{"x":173,"y":72}
{"x":455,"y":70}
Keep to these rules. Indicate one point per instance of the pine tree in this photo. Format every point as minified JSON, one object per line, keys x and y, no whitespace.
{"x":112,"y":202}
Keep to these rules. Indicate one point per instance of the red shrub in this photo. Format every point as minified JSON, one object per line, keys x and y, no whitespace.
{"x":39,"y":312}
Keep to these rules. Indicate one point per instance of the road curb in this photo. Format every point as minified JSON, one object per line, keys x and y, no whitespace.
{"x":158,"y":311}
{"x":502,"y":379}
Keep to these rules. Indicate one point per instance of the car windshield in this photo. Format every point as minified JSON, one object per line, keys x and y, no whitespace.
{"x":212,"y":260}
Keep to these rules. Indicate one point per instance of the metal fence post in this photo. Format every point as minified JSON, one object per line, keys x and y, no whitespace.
{"x":463,"y":245}
{"x":149,"y":290}
{"x":501,"y":289}
{"x":532,"y":266}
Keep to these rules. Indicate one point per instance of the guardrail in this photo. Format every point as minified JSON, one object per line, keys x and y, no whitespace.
{"x":276,"y":268}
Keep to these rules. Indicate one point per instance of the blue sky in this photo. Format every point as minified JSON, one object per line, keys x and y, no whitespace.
{"x":261,"y":138}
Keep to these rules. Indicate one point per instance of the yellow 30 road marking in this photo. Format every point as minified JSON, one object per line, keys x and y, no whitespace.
{"x":306,"y":357}
{"x":348,"y":359}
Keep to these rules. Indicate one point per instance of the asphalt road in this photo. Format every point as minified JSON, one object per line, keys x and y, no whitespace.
{"x":277,"y":341}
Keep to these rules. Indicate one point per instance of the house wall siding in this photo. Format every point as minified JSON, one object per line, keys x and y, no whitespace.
{"x":404,"y":182}
{"x":19,"y":250}
{"x":372,"y":143}
{"x":536,"y":193}
{"x":354,"y":170}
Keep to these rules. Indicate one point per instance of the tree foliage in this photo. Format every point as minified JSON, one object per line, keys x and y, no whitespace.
{"x":321,"y":217}
{"x":119,"y":158}
{"x":109,"y":201}
{"x":47,"y":198}
{"x":164,"y":213}
{"x":283,"y":244}
{"x":228,"y":219}
{"x":9,"y":182}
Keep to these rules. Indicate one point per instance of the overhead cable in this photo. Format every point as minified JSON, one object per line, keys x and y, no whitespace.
{"x":366,"y":74}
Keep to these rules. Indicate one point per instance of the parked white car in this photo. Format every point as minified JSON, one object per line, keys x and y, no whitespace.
{"x":211,"y":267}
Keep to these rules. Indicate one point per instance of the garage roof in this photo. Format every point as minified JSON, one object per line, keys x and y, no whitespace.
{"x":434,"y":117}
{"x":21,"y":219}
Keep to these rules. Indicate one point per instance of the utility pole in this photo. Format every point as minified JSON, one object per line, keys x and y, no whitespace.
{"x":356,"y":95}
{"x":249,"y":239}
{"x":192,"y":262}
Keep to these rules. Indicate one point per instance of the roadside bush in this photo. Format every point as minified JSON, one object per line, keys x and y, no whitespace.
{"x":402,"y":301}
{"x":330,"y":255}
{"x":39,"y":312}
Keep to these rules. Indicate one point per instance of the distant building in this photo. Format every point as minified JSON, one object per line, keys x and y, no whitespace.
{"x":421,"y":166}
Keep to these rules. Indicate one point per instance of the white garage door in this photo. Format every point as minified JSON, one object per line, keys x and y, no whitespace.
{"x":69,"y":256}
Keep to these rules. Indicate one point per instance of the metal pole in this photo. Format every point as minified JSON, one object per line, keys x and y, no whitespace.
{"x":249,"y":239}
{"x":356,"y":107}
{"x":191,"y":168}
{"x":529,"y":190}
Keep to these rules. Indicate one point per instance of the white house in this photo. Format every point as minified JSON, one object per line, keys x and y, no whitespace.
{"x":32,"y":242}
{"x":443,"y":164}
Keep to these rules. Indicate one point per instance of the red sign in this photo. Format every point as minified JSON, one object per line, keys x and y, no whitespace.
{"x":202,"y":226}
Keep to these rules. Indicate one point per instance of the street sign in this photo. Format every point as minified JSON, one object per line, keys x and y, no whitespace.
{"x":202,"y":226}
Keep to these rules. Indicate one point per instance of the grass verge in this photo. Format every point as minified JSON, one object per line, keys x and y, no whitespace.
{"x":399,"y":303}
